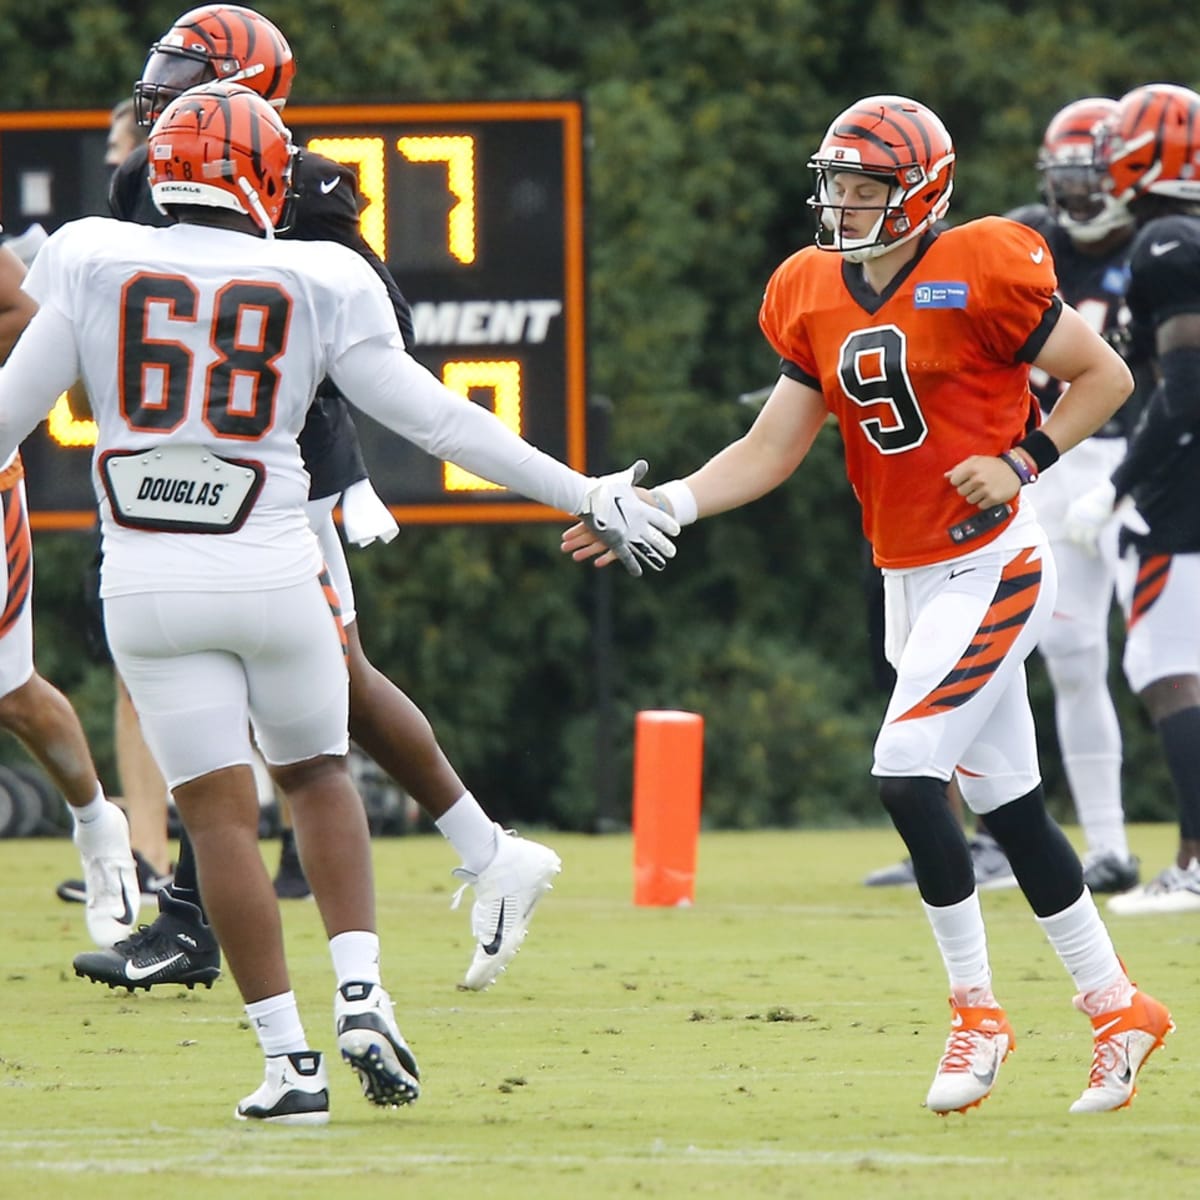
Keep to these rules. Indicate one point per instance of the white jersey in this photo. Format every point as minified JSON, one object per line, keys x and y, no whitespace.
{"x":201,"y":367}
{"x":178,"y":350}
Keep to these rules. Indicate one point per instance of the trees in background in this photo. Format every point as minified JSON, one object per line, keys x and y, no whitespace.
{"x":701,"y":116}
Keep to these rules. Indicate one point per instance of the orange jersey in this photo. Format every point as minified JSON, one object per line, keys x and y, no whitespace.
{"x":928,"y":373}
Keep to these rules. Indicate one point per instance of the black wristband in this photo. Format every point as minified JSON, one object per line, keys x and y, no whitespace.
{"x":1040,"y":448}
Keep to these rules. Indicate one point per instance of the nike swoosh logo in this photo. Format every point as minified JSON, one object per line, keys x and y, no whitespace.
{"x":617,"y":506}
{"x":126,"y":918}
{"x":327,"y":185}
{"x":1160,"y":248}
{"x":134,"y":972}
{"x":1037,"y":255}
{"x":961,"y":571}
{"x":493,"y":947}
{"x":1107,"y":1026}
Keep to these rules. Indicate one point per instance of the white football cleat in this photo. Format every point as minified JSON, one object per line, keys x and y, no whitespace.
{"x":110,"y":877}
{"x":1124,"y":1039}
{"x":294,"y":1092}
{"x":980,"y":1040}
{"x":507,"y":891}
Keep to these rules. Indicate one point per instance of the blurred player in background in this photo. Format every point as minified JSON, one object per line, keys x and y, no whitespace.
{"x":1150,"y":147}
{"x":920,"y":341}
{"x":218,"y":607}
{"x":509,"y":874}
{"x":36,"y":712}
{"x":1089,"y":236}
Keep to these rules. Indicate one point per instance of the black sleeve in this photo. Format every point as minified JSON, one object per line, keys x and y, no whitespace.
{"x":1164,"y":271}
{"x":129,"y":191}
{"x":1164,"y":283}
{"x":1170,"y":422}
{"x":329,"y":445}
{"x":327,"y":208}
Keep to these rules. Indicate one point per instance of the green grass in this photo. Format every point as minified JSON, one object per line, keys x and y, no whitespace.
{"x":776,"y":1040}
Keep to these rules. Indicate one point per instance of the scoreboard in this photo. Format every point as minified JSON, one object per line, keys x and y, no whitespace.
{"x":477,"y":209}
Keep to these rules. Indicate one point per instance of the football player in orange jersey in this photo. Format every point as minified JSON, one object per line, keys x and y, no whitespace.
{"x":919,"y":342}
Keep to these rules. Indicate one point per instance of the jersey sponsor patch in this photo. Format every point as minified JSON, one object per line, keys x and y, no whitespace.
{"x":180,"y":489}
{"x":940,"y":295}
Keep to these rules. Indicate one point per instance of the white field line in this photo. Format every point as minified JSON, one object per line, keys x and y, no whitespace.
{"x":281,"y":1160}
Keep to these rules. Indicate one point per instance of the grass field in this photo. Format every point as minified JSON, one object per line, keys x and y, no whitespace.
{"x":776,"y":1040}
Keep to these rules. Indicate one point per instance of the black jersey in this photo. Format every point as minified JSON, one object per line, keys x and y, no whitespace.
{"x":326,"y":208}
{"x":1163,"y":464}
{"x":1095,"y":286}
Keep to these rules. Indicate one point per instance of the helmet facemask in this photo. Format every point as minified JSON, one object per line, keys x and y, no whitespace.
{"x":167,"y":75}
{"x":1079,"y":202}
{"x":893,"y":226}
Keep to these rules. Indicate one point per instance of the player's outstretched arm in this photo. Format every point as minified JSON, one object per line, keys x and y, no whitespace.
{"x":746,"y":469}
{"x":379,"y":377}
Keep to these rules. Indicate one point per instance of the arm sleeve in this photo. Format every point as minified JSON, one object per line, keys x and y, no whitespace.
{"x":1171,"y":419}
{"x":381,"y":379}
{"x":43,"y":364}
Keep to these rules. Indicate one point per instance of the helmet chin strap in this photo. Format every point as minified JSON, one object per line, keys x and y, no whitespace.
{"x":256,"y":207}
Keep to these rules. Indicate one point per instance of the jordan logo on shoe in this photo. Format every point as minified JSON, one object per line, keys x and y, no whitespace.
{"x":134,"y":972}
{"x":493,"y":947}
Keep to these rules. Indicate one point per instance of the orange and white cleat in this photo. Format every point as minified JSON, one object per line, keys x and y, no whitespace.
{"x":1124,"y":1039}
{"x":980,"y":1040}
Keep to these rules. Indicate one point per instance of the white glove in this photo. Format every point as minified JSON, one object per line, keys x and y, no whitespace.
{"x":365,"y":517}
{"x":1088,"y":514}
{"x":626,"y":524}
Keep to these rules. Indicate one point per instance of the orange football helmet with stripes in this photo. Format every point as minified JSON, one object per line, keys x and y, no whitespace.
{"x":222,"y":146}
{"x":1072,"y":181}
{"x":1151,"y":145}
{"x":218,"y":42}
{"x":899,"y":142}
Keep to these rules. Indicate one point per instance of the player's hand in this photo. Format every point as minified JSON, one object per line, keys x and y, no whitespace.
{"x":627,"y":526}
{"x":984,"y":480}
{"x":1088,"y":514}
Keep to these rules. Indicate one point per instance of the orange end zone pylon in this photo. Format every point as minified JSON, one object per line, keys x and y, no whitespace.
{"x":668,"y":758}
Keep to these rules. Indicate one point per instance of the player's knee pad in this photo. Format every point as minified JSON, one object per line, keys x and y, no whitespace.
{"x":1045,"y":865}
{"x":904,"y":749}
{"x":935,"y":841}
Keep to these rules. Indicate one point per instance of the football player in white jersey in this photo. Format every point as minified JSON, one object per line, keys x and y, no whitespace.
{"x":35,"y":711}
{"x":201,"y":370}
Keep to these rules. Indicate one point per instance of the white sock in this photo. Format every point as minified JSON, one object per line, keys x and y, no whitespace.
{"x":276,"y":1022}
{"x":355,"y":956}
{"x":1081,"y":941}
{"x":470,"y":831}
{"x":100,"y":827}
{"x":1095,"y":782}
{"x":93,"y":810}
{"x":962,"y":939}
